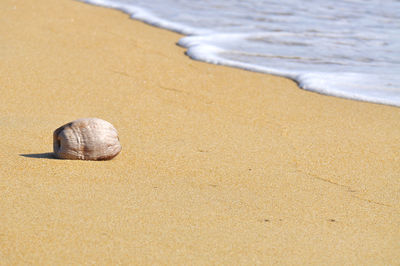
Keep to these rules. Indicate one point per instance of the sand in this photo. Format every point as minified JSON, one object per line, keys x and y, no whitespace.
{"x":218,"y":165}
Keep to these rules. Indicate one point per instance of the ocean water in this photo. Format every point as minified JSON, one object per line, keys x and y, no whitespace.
{"x":345,"y":48}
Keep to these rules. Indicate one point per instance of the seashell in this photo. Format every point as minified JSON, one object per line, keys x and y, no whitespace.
{"x":86,"y":139}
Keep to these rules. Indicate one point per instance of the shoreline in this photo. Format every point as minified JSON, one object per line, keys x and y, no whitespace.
{"x":337,"y":84}
{"x":218,"y":165}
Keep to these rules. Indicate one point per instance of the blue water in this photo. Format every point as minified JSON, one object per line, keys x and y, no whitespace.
{"x":345,"y":48}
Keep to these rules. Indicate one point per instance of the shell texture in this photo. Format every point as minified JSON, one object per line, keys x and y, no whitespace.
{"x":86,"y":139}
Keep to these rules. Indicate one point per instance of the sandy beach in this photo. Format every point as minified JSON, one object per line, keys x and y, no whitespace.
{"x":218,"y":165}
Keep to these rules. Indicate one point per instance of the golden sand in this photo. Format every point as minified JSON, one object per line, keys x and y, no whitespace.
{"x":218,"y":165}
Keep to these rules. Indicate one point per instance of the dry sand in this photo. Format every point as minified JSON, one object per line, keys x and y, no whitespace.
{"x":219,"y":165}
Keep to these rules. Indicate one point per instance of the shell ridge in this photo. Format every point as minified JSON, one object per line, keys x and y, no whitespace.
{"x":77,"y":135}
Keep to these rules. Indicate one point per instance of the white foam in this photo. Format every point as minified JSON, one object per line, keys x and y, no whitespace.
{"x":344,"y":48}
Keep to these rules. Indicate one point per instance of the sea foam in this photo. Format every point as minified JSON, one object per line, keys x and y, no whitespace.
{"x":342,"y":48}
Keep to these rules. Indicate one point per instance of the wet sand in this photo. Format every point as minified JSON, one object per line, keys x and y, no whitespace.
{"x":218,"y":165}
